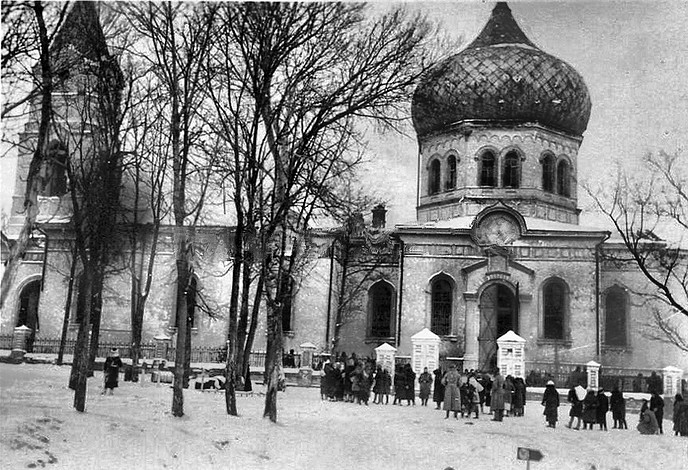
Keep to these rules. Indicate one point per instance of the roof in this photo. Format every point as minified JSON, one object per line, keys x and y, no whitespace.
{"x":501,"y":78}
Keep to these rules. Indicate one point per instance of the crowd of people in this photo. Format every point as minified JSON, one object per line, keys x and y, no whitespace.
{"x":470,"y":393}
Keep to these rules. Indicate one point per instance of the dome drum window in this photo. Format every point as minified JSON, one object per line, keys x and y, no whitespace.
{"x":434,"y":177}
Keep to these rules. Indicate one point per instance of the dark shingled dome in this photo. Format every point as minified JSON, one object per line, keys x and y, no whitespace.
{"x":502,"y":77}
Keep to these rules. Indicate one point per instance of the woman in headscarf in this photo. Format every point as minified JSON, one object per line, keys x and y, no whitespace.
{"x":550,"y":400}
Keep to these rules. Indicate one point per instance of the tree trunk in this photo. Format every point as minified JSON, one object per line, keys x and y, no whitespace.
{"x":180,"y":357}
{"x":96,"y":314}
{"x":253,"y":326}
{"x":81,"y":349}
{"x":273,"y":362}
{"x":243,"y":316}
{"x":231,"y":365}
{"x":187,"y":352}
{"x":68,"y":308}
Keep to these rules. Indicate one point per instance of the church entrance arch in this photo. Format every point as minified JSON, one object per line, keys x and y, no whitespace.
{"x":498,"y":315}
{"x":28,"y":310}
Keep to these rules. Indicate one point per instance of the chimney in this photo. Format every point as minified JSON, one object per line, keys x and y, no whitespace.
{"x":379,"y":216}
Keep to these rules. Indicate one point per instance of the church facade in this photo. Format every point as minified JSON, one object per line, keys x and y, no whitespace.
{"x":497,"y":244}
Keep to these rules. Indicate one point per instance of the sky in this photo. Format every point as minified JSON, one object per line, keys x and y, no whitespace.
{"x":633,"y":57}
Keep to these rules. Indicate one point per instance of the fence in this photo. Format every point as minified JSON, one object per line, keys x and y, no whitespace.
{"x":202,"y":354}
{"x":564,"y":375}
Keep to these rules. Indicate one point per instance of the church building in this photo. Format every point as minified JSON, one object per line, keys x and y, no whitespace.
{"x":496,"y":246}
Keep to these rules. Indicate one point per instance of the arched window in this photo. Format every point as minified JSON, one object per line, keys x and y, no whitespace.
{"x":192,"y":302}
{"x":380,"y":301}
{"x":548,"y":173}
{"x":616,"y":305}
{"x":441,"y":317}
{"x":511,"y":177}
{"x":451,"y":175}
{"x":434,"y":181}
{"x":555,"y":304}
{"x":287,"y":292}
{"x":563,"y":179}
{"x":487,"y":170}
{"x":54,"y":170}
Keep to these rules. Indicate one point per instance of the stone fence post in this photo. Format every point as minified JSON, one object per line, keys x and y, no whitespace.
{"x":19,"y":342}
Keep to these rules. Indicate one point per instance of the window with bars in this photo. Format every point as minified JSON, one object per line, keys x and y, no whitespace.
{"x":555,"y":302}
{"x":380,"y":295}
{"x":441,"y":307}
{"x":488,"y":169}
{"x":511,"y":177}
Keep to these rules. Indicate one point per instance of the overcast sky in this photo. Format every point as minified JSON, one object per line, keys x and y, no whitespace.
{"x":633,"y":57}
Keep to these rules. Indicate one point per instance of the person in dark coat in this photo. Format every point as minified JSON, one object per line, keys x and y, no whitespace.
{"x":576,"y":408}
{"x":648,"y":421}
{"x":680,"y":416}
{"x":589,"y":410}
{"x":617,"y":403}
{"x":385,"y":386}
{"x":657,"y":406}
{"x":425,"y":381}
{"x":111,"y":371}
{"x":399,"y":379}
{"x":438,"y":390}
{"x":338,"y":378}
{"x":519,"y":399}
{"x":409,"y":385}
{"x":602,"y":409}
{"x":508,"y":395}
{"x":550,"y":400}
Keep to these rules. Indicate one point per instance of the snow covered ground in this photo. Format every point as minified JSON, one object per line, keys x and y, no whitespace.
{"x":134,"y":429}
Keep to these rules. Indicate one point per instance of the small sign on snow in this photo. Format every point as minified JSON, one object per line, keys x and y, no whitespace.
{"x":524,"y":453}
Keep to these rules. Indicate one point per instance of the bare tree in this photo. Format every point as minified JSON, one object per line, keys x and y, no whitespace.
{"x":27,"y":38}
{"x":180,"y":37}
{"x":649,"y":213}
{"x":296,"y":81}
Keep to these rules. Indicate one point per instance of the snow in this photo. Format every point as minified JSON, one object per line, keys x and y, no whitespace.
{"x":134,"y":429}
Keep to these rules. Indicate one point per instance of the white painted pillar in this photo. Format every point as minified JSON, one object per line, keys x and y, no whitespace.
{"x":672,"y":381}
{"x":593,"y":370}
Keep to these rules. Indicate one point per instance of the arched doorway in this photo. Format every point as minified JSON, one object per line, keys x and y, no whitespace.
{"x":28,"y":310}
{"x":498,"y":315}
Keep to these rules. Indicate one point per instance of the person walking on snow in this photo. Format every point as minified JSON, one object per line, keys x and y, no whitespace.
{"x":550,"y":400}
{"x":111,"y":371}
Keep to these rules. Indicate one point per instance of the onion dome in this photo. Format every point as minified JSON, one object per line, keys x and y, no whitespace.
{"x":502,"y":78}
